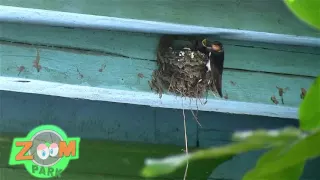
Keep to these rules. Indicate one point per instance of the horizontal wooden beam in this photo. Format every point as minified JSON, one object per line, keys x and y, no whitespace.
{"x":142,"y":98}
{"x":72,"y":66}
{"x":261,"y":57}
{"x":66,"y":19}
{"x":232,"y":14}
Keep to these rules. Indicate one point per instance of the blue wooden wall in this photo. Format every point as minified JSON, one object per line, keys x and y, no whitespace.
{"x":124,"y":122}
{"x":256,"y":69}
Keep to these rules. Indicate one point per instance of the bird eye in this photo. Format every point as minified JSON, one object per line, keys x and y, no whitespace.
{"x":53,"y":149}
{"x":42,"y":151}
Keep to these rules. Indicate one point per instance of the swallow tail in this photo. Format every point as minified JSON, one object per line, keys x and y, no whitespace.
{"x":217,"y":76}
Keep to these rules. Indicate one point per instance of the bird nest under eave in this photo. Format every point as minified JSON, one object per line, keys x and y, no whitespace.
{"x":183,"y":71}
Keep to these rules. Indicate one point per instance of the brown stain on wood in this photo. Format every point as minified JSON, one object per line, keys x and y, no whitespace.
{"x":20,"y":69}
{"x":281,"y":91}
{"x":226,"y":96}
{"x":103,"y":66}
{"x":36,"y":62}
{"x":233,"y":83}
{"x":303,"y":93}
{"x":274,"y":100}
{"x":140,"y":75}
{"x":80,"y":74}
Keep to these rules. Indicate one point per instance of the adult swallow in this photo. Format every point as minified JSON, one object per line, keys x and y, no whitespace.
{"x":216,"y":58}
{"x":215,"y":54}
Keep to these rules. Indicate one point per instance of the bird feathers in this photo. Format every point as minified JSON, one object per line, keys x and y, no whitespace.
{"x":215,"y":53}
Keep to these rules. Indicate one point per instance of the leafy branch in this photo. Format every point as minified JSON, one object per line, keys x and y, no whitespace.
{"x":289,"y":148}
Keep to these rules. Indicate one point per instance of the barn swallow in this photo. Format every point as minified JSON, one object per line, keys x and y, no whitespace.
{"x":215,"y":54}
{"x":216,"y":58}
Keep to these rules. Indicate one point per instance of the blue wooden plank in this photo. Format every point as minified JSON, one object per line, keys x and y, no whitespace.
{"x":142,"y":98}
{"x":121,"y":43}
{"x":239,"y":54}
{"x":265,"y":16}
{"x":54,"y":18}
{"x":122,"y":73}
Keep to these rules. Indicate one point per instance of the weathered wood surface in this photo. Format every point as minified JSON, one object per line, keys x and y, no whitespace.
{"x":143,"y":98}
{"x":251,"y":74}
{"x":75,"y":20}
{"x":239,"y":55}
{"x":131,"y":123}
{"x":265,"y":16}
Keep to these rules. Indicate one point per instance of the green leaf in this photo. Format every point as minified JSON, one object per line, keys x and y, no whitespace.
{"x":171,"y":164}
{"x":249,"y":140}
{"x":271,"y":137}
{"x":293,"y":155}
{"x":306,"y":10}
{"x":160,"y":167}
{"x":309,"y":111}
{"x":290,"y":173}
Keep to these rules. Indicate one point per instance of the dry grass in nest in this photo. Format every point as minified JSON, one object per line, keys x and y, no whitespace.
{"x":180,"y":71}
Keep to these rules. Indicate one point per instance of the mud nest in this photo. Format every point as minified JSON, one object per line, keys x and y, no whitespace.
{"x":181,"y":71}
